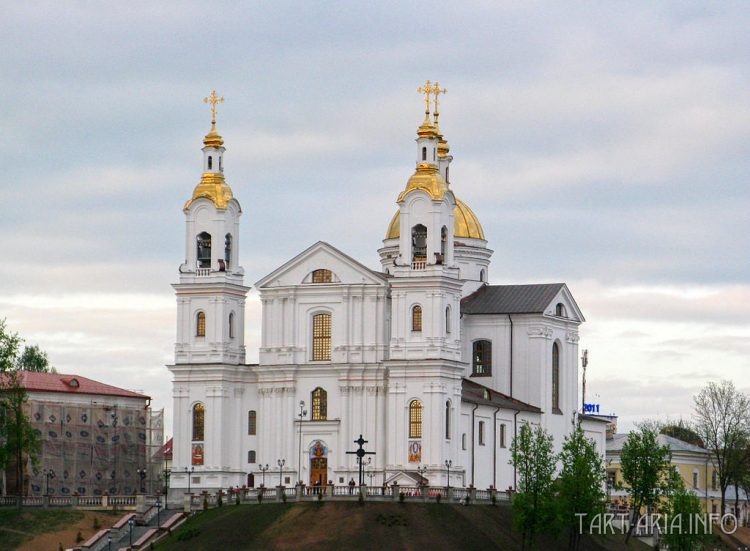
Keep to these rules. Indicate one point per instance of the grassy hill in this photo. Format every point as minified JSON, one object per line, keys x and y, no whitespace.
{"x":374,"y":525}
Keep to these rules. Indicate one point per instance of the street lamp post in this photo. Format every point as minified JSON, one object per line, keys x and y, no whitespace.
{"x":263,"y":469}
{"x":280,"y":463}
{"x":167,"y":474}
{"x":189,"y":473}
{"x":131,"y":522}
{"x":142,"y":475}
{"x":448,"y":464}
{"x":302,"y":413}
{"x":109,"y":543}
{"x":47,"y":475}
{"x":158,"y":510}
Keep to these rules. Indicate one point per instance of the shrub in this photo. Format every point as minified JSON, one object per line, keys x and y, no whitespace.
{"x":237,"y":499}
{"x":260,"y":496}
{"x":188,"y":533}
{"x":283,"y":496}
{"x":79,"y":537}
{"x":205,"y":502}
{"x":401,"y":497}
{"x":97,"y":524}
{"x":493,"y":499}
{"x":320,"y":496}
{"x":438,"y":497}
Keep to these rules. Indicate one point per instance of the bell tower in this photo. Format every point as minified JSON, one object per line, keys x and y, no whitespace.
{"x":210,"y":292}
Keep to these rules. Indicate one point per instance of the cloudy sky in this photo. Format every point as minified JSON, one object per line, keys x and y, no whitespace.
{"x":602,"y":144}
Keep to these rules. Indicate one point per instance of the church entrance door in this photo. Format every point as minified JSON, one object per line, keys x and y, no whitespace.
{"x":318,"y":471}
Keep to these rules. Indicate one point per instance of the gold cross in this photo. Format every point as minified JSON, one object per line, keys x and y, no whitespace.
{"x":426,"y":90}
{"x":213,"y":99}
{"x":436,"y":90}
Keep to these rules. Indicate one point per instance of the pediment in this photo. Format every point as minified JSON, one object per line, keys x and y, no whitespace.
{"x":570,"y":308}
{"x":321,"y":256}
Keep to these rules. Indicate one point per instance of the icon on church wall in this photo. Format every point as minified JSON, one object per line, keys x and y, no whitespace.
{"x":197,"y":454}
{"x":318,"y":449}
{"x":415,"y":451}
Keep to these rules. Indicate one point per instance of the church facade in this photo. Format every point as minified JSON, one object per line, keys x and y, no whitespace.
{"x":433,"y":366}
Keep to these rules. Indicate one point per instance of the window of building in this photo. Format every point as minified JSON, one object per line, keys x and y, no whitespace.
{"x":695,"y":479}
{"x":714,"y":481}
{"x":322,"y":276}
{"x":560,"y":310}
{"x":482,"y":275}
{"x":252,"y":420}
{"x":419,"y":243}
{"x":556,"y":378}
{"x":448,"y":319}
{"x":415,"y":419}
{"x":200,"y":324}
{"x":231,"y":325}
{"x":319,"y":402}
{"x":481,"y":433}
{"x":210,"y":162}
{"x":481,"y":364}
{"x":251,"y":456}
{"x":424,"y":153}
{"x":502,"y":436}
{"x":204,"y":250}
{"x":463,"y":441}
{"x":321,"y":337}
{"x":448,"y":420}
{"x":416,"y":318}
{"x":228,"y":249}
{"x":443,"y":243}
{"x":199,"y":422}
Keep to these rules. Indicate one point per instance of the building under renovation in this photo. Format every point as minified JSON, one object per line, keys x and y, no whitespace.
{"x":95,"y":439}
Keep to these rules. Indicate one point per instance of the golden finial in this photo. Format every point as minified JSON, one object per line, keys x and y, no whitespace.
{"x":436,"y":90}
{"x":427,"y":89}
{"x":213,"y":99}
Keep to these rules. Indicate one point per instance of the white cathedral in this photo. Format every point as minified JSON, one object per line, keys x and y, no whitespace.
{"x":433,"y":366}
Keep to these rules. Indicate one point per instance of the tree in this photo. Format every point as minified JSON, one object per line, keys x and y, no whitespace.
{"x":722,"y":420}
{"x":682,"y":431}
{"x":646,"y":470}
{"x":18,"y":439}
{"x":580,"y":484}
{"x":682,"y":531}
{"x":533,"y":504}
{"x":34,"y":359}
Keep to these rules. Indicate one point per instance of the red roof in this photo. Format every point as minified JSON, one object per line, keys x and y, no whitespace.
{"x":166,"y":450}
{"x":72,"y":384}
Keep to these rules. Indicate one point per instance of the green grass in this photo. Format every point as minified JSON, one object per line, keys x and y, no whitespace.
{"x":16,"y":526}
{"x":375,"y":525}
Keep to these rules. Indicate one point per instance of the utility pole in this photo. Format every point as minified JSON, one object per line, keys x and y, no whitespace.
{"x":584,"y":364}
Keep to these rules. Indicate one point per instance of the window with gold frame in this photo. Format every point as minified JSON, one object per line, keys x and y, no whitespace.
{"x":322,"y":276}
{"x":199,"y":422}
{"x":321,"y":337}
{"x":415,"y":419}
{"x":416,"y":318}
{"x":200,"y":324}
{"x":319,"y":408}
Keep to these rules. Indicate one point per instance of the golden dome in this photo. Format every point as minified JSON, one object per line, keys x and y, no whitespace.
{"x":428,"y":179}
{"x":213,"y":187}
{"x":465,"y":223}
{"x":213,"y":139}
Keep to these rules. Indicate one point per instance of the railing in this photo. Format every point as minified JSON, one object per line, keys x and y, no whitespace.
{"x":60,"y":501}
{"x":202,"y":272}
{"x":419,"y":265}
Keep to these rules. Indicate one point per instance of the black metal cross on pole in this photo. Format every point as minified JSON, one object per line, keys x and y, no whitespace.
{"x":360,"y":453}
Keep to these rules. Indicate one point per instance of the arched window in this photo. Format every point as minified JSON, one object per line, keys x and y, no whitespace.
{"x":556,"y":378}
{"x":199,"y":422}
{"x":231,"y":325}
{"x":424,"y":153}
{"x":415,"y":419}
{"x":482,"y":275}
{"x":252,"y":422}
{"x":481,"y":359}
{"x":419,"y":243}
{"x":448,"y":420}
{"x":443,"y":243}
{"x":416,"y":318}
{"x":321,"y":337}
{"x":204,"y":250}
{"x":447,"y":319}
{"x":251,"y":456}
{"x":560,"y":310}
{"x":200,"y":324}
{"x":319,"y":402}
{"x":210,"y":162}
{"x":228,"y":250}
{"x":481,"y":433}
{"x":322,"y":276}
